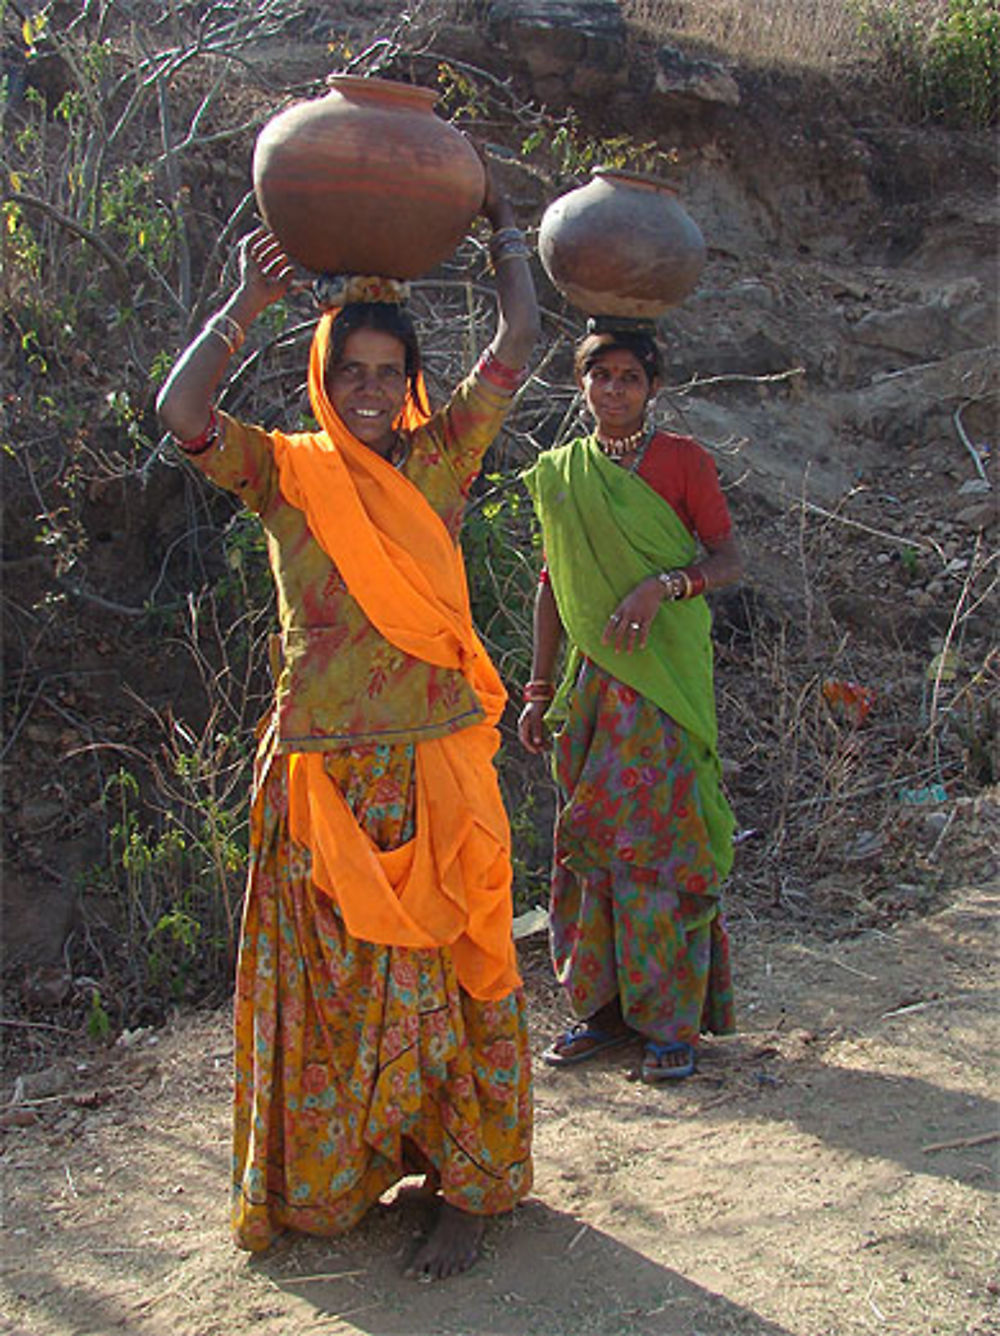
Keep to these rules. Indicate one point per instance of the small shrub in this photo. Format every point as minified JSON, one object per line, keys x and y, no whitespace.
{"x":98,"y":1021}
{"x":175,"y":878}
{"x":946,"y":58}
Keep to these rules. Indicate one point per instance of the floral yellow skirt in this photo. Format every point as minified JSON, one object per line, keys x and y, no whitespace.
{"x":348,"y":1052}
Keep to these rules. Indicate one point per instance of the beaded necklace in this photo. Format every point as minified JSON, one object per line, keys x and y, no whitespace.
{"x":618,"y":447}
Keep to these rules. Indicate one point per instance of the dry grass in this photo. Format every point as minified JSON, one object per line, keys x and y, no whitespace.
{"x":817,"y":34}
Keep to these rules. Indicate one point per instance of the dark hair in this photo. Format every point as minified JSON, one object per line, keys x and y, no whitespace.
{"x":386,"y":318}
{"x":642,"y":346}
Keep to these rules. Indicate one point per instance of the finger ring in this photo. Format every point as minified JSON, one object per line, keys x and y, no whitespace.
{"x":614,"y":619}
{"x":634,"y":626}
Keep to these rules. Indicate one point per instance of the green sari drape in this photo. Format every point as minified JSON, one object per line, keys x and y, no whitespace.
{"x":604,"y":530}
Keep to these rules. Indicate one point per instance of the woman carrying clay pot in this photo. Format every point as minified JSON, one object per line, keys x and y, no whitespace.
{"x":635,"y":530}
{"x":380,"y":1027}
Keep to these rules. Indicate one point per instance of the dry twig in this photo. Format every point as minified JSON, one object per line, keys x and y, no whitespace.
{"x":961,"y":1143}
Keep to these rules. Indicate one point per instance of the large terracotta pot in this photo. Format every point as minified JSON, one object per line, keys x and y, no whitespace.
{"x":367,"y":180}
{"x":621,"y":245}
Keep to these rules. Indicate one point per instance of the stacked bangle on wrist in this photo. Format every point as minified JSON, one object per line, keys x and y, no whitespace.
{"x":683,"y":584}
{"x":508,"y":243}
{"x":538,"y":690}
{"x":674,"y":583}
{"x":503,"y":376}
{"x":230,"y":331}
{"x":197,"y":445}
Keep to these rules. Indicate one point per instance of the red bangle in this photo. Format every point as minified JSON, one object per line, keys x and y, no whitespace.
{"x":697,"y":584}
{"x":197,"y":445}
{"x":538,"y":690}
{"x":691,"y":577}
{"x":503,"y":376}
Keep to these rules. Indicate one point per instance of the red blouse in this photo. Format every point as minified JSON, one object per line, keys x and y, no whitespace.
{"x":683,"y":473}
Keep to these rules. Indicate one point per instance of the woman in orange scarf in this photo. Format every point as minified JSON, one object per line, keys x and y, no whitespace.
{"x":380,"y":1026}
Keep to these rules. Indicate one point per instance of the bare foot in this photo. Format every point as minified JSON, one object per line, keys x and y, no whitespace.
{"x":452,"y":1247}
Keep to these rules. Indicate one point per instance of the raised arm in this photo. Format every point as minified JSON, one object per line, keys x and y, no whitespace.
{"x":518,"y":321}
{"x":185,"y":402}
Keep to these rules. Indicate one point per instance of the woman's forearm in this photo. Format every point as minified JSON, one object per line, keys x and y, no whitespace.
{"x":540,"y":689}
{"x":518,"y":320}
{"x":722,"y":566}
{"x":548,"y":634}
{"x":185,"y":401}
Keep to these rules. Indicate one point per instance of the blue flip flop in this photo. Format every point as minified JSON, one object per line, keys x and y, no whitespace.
{"x":600,"y":1042}
{"x":654,"y":1072}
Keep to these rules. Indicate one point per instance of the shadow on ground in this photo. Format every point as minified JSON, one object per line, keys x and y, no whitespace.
{"x":543,"y":1273}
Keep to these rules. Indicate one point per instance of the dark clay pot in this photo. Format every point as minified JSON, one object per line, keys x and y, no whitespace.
{"x":367,"y":180}
{"x":621,"y":245}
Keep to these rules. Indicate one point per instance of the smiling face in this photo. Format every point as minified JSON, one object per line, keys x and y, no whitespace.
{"x":367,"y":387}
{"x":616,"y":388}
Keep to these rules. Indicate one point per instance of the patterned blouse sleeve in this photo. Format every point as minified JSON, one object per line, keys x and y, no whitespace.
{"x":462,"y":431}
{"x":241,"y":460}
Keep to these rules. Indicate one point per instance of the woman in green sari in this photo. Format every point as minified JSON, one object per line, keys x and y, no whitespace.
{"x":643,"y":837}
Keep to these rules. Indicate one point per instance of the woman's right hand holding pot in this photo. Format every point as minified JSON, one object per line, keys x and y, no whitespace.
{"x":185,"y":401}
{"x":265,"y":275}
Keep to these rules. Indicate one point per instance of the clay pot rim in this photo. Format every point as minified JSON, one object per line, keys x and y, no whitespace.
{"x":413,"y":95}
{"x":642,"y":179}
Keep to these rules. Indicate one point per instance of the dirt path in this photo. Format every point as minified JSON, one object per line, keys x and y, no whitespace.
{"x":791,"y":1188}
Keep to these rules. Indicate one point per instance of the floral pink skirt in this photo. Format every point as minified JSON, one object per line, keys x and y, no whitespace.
{"x":635,"y":911}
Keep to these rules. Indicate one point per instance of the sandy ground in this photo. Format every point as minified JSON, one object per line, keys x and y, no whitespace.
{"x":828,"y":1172}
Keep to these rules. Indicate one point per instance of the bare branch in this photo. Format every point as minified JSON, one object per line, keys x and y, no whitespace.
{"x":92,"y":238}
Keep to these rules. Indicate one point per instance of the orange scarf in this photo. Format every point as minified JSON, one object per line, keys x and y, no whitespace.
{"x":451,"y":884}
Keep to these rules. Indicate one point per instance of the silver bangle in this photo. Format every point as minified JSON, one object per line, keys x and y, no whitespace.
{"x":672,"y":582}
{"x":505,"y":236}
{"x":520,"y":253}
